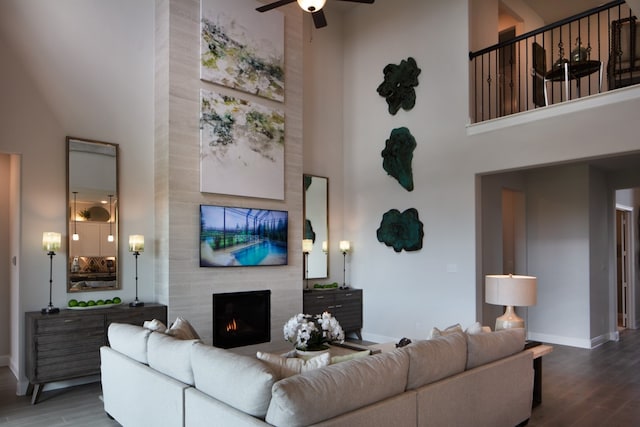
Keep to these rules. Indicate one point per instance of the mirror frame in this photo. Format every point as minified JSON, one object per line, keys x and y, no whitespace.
{"x":91,"y":273}
{"x":318,"y":259}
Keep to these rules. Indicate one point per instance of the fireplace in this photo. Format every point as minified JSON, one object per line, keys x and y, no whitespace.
{"x":241,"y":318}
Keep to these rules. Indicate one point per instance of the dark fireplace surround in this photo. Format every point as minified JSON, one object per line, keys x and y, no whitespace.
{"x":241,"y":318}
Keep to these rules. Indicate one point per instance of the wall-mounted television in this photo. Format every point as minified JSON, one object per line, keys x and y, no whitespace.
{"x":239,"y":237}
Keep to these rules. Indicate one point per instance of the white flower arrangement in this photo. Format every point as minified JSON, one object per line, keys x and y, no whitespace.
{"x":312,"y":333}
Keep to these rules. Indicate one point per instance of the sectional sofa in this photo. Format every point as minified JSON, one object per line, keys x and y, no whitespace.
{"x":150,"y":378}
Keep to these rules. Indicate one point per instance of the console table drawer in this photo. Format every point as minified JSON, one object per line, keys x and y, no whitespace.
{"x":61,"y":324}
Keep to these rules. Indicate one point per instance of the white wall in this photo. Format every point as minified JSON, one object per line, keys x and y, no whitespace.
{"x":408,"y":293}
{"x":323,"y":123}
{"x":85,"y":70}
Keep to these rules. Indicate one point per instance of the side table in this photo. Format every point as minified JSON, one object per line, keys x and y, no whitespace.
{"x":572,"y":70}
{"x":538,"y":351}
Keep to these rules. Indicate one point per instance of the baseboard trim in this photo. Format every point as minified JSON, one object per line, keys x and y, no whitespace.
{"x":560,"y":340}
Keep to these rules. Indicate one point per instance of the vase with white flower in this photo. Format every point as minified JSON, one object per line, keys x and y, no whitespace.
{"x":311,"y":333}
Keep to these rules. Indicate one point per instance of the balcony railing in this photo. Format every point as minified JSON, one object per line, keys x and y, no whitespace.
{"x":594,"y":51}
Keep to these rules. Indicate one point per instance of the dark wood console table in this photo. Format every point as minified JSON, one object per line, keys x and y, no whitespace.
{"x":344,"y":304}
{"x":67,"y":345}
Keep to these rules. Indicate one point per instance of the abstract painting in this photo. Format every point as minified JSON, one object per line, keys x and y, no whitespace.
{"x":241,"y":147}
{"x":242,"y":48}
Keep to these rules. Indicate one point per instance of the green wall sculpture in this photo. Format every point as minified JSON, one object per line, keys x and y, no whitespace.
{"x":398,"y":85}
{"x":398,"y":155}
{"x":401,"y":230}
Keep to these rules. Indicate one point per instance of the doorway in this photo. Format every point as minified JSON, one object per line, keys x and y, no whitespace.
{"x":623,"y":265}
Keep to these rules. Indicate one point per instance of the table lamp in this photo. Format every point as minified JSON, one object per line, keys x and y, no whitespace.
{"x":50,"y":243}
{"x":345,"y":247}
{"x":136,"y":245}
{"x":307,"y":247}
{"x":510,"y":290}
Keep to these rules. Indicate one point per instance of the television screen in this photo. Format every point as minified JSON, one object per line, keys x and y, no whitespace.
{"x":237,"y":237}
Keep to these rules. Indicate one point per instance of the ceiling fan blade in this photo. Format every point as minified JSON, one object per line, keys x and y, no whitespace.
{"x":359,"y":1}
{"x":273,"y":5}
{"x":319,"y":19}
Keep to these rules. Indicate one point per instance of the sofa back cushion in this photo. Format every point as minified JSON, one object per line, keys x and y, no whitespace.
{"x":487,"y":347}
{"x":129,"y":340}
{"x":171,"y":356}
{"x":437,"y":358}
{"x":325,"y":393}
{"x":240,"y":381}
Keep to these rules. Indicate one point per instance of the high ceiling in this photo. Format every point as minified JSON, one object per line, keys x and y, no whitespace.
{"x":555,"y":10}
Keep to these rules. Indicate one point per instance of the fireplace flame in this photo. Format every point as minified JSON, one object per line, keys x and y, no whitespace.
{"x":232,"y":326}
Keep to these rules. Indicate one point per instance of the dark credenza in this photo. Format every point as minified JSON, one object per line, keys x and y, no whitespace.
{"x":344,"y":304}
{"x":67,"y":345}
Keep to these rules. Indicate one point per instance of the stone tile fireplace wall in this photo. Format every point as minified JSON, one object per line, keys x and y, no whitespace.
{"x":179,"y":281}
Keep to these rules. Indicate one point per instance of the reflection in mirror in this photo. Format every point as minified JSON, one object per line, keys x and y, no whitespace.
{"x":92,"y":200}
{"x":316,"y":224}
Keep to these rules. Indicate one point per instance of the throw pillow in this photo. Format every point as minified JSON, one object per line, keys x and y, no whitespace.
{"x":183,"y":330}
{"x":154,"y":325}
{"x":285,"y":367}
{"x":350,"y":356}
{"x":477,"y":328}
{"x":435,"y":332}
{"x":485,"y":348}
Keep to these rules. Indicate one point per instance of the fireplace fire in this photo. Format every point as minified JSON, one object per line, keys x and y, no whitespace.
{"x":241,"y":318}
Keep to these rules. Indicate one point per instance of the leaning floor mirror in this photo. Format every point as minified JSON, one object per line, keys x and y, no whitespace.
{"x":316,"y":225}
{"x":92,"y":201}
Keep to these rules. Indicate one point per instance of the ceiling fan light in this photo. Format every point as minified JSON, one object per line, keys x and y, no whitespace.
{"x":311,"y":5}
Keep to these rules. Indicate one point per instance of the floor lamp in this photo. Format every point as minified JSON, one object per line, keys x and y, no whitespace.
{"x":136,"y":245}
{"x":510,"y":290}
{"x":51,"y":243}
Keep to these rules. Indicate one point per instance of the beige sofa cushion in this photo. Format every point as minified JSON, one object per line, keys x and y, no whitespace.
{"x":437,"y":358}
{"x":485,"y":348}
{"x":171,"y":356}
{"x":284,"y":366}
{"x":325,"y":393}
{"x":129,"y":340}
{"x":240,"y":381}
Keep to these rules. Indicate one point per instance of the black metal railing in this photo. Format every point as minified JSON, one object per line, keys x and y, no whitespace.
{"x":588,"y":53}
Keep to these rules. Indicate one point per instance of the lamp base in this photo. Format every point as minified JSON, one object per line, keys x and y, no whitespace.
{"x":509,"y":320}
{"x":50,"y":310}
{"x":136,"y":303}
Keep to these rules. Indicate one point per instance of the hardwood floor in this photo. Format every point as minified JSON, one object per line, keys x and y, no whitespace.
{"x":579,"y":388}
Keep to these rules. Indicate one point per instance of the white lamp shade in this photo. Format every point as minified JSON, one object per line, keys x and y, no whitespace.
{"x":51,"y":241}
{"x":325,"y":246}
{"x":311,"y":5}
{"x":307,"y":246}
{"x":345,"y":246}
{"x":519,"y":291}
{"x":136,"y":243}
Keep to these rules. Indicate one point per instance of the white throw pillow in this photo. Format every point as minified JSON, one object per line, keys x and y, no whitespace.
{"x":285,"y":367}
{"x":154,"y":325}
{"x":477,"y":328}
{"x":183,"y":330}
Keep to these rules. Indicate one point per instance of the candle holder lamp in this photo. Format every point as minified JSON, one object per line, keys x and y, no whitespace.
{"x":136,"y":246}
{"x":345,"y":247}
{"x":51,"y":243}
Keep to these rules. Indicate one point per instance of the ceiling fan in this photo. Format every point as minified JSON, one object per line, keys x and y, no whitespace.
{"x":312,"y":6}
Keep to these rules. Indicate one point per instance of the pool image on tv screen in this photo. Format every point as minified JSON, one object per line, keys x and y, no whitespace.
{"x":237,"y":237}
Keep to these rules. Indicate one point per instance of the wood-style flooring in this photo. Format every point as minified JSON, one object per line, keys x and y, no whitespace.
{"x":599,"y":387}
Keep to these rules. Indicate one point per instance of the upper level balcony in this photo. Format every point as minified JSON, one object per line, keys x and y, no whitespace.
{"x":592,"y":52}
